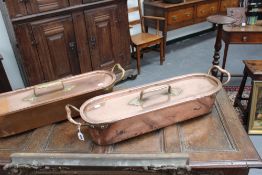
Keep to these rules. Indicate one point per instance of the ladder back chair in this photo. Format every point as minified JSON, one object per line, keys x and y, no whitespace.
{"x":144,"y":39}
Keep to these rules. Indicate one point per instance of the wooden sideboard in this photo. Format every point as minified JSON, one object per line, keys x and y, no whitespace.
{"x":59,"y":38}
{"x":186,"y":13}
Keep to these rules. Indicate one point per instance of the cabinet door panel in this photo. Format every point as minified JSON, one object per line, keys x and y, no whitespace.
{"x":47,"y":5}
{"x":103,"y":36}
{"x":81,"y":39}
{"x":56,"y":46}
{"x":30,"y":58}
{"x":16,"y":8}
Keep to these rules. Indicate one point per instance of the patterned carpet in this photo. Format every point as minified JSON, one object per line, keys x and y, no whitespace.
{"x":232,"y":92}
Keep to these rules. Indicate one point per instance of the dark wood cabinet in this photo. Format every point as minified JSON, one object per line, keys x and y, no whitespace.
{"x":59,"y":38}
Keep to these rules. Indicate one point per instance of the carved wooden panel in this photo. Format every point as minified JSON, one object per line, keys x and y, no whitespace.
{"x":31,"y":64}
{"x":16,"y":8}
{"x":103,"y":36}
{"x":56,"y":45}
{"x":38,"y":6}
{"x":81,"y":39}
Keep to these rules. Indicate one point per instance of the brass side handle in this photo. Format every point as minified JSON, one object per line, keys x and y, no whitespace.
{"x":223,"y":71}
{"x":123,"y":72}
{"x":174,"y":18}
{"x":69,"y":116}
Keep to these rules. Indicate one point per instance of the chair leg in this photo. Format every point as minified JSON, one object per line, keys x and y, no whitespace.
{"x":138,"y":59}
{"x":162,"y":59}
{"x":241,"y":89}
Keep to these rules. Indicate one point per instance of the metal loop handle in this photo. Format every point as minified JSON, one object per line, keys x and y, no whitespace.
{"x":123,"y":72}
{"x":223,"y":71}
{"x":69,"y":114}
{"x":143,"y":92}
{"x":46,"y":88}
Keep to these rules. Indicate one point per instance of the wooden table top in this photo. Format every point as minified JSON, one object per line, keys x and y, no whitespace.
{"x":215,"y":140}
{"x":220,"y":19}
{"x":254,"y":66}
{"x":248,"y":28}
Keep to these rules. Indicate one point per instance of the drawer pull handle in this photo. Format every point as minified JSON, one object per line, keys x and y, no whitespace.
{"x":174,"y":18}
{"x":188,"y":14}
{"x":244,"y":38}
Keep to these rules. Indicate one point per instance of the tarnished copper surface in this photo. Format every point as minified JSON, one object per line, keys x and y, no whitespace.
{"x":124,"y":114}
{"x":43,"y":104}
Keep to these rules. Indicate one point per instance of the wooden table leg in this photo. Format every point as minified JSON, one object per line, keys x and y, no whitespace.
{"x":247,"y":112}
{"x":138,"y":61}
{"x":218,"y":46}
{"x":241,"y":89}
{"x":224,"y":60}
{"x":164,"y":47}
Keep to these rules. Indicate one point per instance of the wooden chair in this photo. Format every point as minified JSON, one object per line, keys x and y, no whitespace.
{"x":144,"y":39}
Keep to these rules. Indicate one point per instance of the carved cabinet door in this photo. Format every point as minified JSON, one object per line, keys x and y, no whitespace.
{"x":56,"y":46}
{"x":103,"y":36}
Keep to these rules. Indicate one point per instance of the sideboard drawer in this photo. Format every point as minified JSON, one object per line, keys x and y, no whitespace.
{"x":251,"y":37}
{"x":39,"y":6}
{"x":180,"y":15}
{"x":228,"y":3}
{"x":205,"y":10}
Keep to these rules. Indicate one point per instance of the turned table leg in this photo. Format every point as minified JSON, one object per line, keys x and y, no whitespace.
{"x":220,"y":20}
{"x":224,"y":60}
{"x":218,"y":46}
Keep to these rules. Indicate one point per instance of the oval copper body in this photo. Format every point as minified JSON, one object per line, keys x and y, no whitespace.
{"x":40,"y":105}
{"x":127,"y":113}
